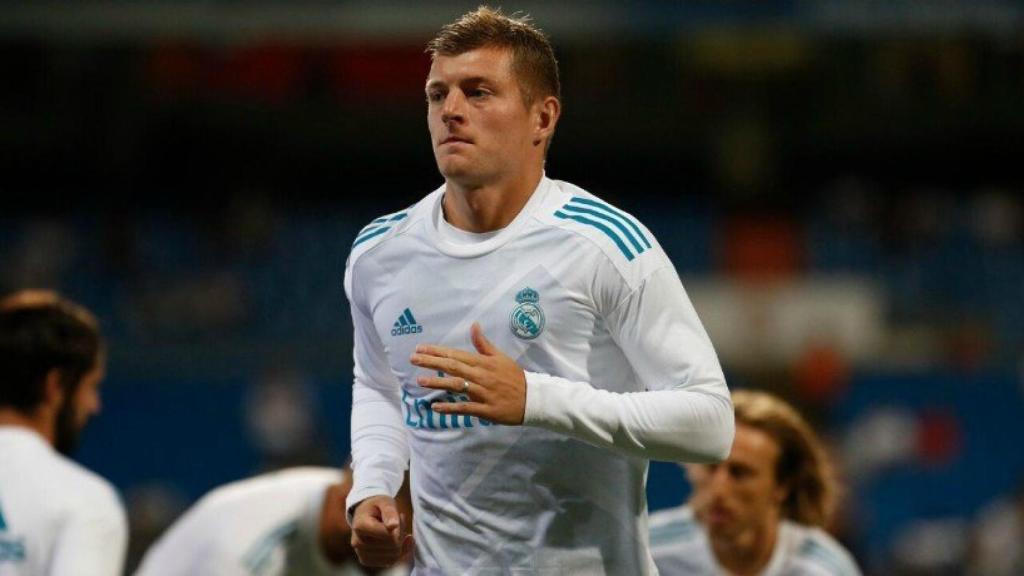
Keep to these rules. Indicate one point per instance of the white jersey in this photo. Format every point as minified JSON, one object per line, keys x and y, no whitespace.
{"x":619,"y":370}
{"x":681,"y":548}
{"x":56,"y":517}
{"x":263,"y":526}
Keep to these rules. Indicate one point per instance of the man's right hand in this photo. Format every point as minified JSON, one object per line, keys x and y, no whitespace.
{"x":377,"y":533}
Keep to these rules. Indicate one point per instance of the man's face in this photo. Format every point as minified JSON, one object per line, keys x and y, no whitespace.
{"x":480,"y":127}
{"x":78,"y":408}
{"x":740,"y":493}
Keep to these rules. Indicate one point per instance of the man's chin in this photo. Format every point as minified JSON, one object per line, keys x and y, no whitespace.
{"x":453,"y":164}
{"x":459,"y":173}
{"x":66,"y":444}
{"x":67,"y":436}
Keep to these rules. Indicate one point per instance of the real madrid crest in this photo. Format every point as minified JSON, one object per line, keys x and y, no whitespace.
{"x":527,"y":320}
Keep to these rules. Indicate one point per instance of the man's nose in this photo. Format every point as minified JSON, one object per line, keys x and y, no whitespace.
{"x":452,"y":111}
{"x":718,"y":480}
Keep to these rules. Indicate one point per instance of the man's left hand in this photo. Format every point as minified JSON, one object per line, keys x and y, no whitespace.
{"x":496,"y":384}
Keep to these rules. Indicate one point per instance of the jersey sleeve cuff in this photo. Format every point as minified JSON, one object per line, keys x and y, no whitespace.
{"x":538,"y":391}
{"x":357,"y":495}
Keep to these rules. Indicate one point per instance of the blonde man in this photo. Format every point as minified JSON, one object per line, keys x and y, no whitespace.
{"x":763,"y":510}
{"x":528,"y":446}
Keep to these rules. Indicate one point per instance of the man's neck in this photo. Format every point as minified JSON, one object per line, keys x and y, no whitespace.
{"x":37,"y":424}
{"x":488,"y":207}
{"x":749,"y":552}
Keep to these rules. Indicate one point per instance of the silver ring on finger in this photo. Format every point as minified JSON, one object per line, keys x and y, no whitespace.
{"x":465,"y":386}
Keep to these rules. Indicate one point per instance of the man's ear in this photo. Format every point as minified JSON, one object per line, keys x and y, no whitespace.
{"x":781,"y":493}
{"x":53,"y":391}
{"x":548,"y":111}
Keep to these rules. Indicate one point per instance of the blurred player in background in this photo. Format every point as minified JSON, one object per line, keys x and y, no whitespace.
{"x":761,"y":512}
{"x":285,"y":523}
{"x":528,"y":446}
{"x":996,"y":541}
{"x":56,"y":517}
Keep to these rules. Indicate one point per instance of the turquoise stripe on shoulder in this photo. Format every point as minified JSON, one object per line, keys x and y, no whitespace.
{"x":385,"y":219}
{"x":373,"y":234}
{"x":368,"y":230}
{"x":607,"y":231}
{"x":607,"y":218}
{"x":607,"y":207}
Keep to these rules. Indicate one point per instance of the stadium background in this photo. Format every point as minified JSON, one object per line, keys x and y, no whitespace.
{"x":837,"y":183}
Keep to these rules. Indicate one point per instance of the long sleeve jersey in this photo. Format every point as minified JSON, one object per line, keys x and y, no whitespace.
{"x":267,"y":525}
{"x":56,"y":517}
{"x":680,"y":547}
{"x":619,"y":370}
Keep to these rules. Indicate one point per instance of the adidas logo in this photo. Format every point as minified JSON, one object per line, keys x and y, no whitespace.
{"x":406,"y":324}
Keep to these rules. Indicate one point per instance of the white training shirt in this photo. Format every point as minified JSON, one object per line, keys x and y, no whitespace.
{"x":56,"y":517}
{"x":681,"y":548}
{"x":262,"y":526}
{"x":619,"y":371}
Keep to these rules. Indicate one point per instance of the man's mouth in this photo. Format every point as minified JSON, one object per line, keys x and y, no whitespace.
{"x":456,"y":140}
{"x":717,"y":514}
{"x":714,"y":512}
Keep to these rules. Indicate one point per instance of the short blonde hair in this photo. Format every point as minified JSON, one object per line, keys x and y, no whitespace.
{"x":803,"y":463}
{"x":533,"y":59}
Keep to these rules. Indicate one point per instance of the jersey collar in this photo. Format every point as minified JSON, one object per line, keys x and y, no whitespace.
{"x":461,"y":244}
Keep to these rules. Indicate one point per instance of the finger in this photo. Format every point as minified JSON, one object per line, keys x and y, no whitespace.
{"x":370,"y":530}
{"x":380,"y":550}
{"x":480,"y":342}
{"x":382,"y":537}
{"x":463,"y":356}
{"x":449,"y":366}
{"x":368,"y":509}
{"x":391,"y":518}
{"x":454,"y":385}
{"x":477,"y":409}
{"x":383,"y":549}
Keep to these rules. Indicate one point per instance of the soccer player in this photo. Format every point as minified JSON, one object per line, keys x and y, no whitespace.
{"x":290,"y":522}
{"x":523,"y":345}
{"x":761,"y":512}
{"x":56,"y":517}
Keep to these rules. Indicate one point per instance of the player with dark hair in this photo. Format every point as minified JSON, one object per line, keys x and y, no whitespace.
{"x":529,"y":445}
{"x":762,"y":511}
{"x":56,"y":517}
